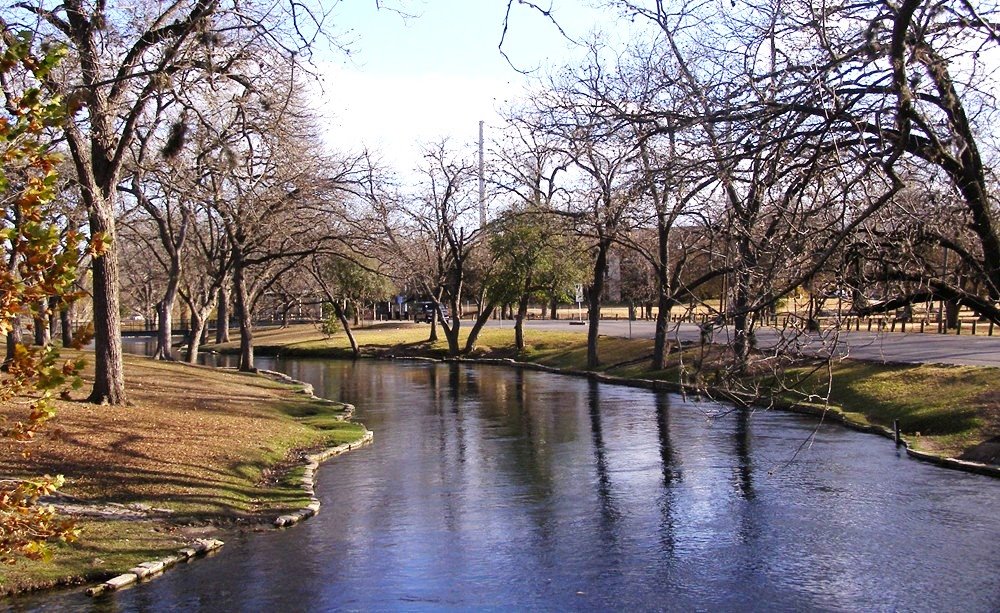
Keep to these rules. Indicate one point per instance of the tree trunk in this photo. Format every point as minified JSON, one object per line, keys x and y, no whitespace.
{"x":66,"y":323}
{"x":451,"y":330}
{"x":594,"y":304}
{"x":434,"y":330}
{"x":222,"y":315}
{"x":13,"y":340}
{"x":42,"y":338}
{"x":522,"y":313}
{"x":109,"y":372}
{"x":665,"y":304}
{"x":195,"y":336}
{"x":53,"y":317}
{"x":481,"y":319}
{"x":741,"y":320}
{"x":951,"y":310}
{"x":246,"y":326}
{"x":553,"y":307}
{"x":165,"y":323}
{"x":346,"y":323}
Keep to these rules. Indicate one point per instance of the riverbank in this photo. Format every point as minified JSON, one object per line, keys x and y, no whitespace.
{"x":198,"y":452}
{"x":945,"y":411}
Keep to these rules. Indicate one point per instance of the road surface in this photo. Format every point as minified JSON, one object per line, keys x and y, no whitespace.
{"x":878,"y":347}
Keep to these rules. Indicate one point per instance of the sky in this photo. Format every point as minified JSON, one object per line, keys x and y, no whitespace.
{"x":412,"y":80}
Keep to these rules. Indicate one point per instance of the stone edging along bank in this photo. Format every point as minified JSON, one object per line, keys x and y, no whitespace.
{"x":312,"y":461}
{"x":669,"y":386}
{"x":149,"y":570}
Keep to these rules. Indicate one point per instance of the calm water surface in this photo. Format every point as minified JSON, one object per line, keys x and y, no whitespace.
{"x":492,"y":488}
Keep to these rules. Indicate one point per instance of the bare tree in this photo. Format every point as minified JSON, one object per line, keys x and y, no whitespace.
{"x":119,"y":58}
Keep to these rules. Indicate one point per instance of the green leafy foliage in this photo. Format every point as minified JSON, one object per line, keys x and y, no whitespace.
{"x":41,"y":263}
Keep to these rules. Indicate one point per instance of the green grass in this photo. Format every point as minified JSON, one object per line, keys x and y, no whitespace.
{"x":215,"y":447}
{"x":110,"y":548}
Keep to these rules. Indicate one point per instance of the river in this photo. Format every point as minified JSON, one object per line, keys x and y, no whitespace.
{"x":494,"y":488}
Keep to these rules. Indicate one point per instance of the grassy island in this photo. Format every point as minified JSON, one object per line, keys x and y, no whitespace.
{"x":198,"y":450}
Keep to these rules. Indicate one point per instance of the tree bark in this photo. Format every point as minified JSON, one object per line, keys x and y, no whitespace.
{"x":222,"y":316}
{"x":13,"y":339}
{"x":246,"y":326}
{"x":665,"y":304}
{"x":451,"y":330}
{"x":165,"y":324}
{"x":42,"y":337}
{"x":553,"y":307}
{"x":594,"y":303}
{"x":346,"y":323}
{"x":522,"y":313}
{"x":66,"y":324}
{"x":481,"y":319}
{"x":109,"y":373}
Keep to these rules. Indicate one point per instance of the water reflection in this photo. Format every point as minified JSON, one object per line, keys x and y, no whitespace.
{"x":501,"y":489}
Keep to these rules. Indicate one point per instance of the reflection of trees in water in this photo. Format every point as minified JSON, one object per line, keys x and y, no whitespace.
{"x":747,"y":513}
{"x":609,"y":511}
{"x":671,"y":473}
{"x":744,"y":467}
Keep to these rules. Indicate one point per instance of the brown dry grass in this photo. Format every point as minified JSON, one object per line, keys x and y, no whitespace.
{"x":196,"y":441}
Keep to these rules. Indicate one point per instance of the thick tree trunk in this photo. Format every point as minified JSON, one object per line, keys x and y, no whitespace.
{"x":594,"y":304}
{"x":13,"y":340}
{"x":246,"y":326}
{"x":484,"y":316}
{"x":741,"y":321}
{"x":951,"y":310}
{"x":222,"y":315}
{"x":553,"y":307}
{"x":165,"y":324}
{"x":66,"y":324}
{"x":665,"y":304}
{"x":451,"y":330}
{"x":109,"y":372}
{"x":196,"y":335}
{"x":42,"y":338}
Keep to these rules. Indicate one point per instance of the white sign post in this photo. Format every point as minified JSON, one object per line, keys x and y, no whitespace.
{"x":579,"y":300}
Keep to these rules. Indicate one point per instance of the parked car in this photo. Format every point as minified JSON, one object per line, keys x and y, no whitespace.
{"x":424,"y":311}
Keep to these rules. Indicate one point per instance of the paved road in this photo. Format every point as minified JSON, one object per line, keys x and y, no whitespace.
{"x":885,"y":347}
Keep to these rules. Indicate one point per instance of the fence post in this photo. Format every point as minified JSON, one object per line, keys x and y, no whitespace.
{"x":958,"y":327}
{"x":974,"y":322}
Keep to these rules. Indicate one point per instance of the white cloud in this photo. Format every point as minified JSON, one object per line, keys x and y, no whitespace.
{"x":395,"y":114}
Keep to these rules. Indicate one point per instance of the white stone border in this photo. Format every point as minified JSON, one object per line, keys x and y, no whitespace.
{"x":309,"y":475}
{"x":148,"y":570}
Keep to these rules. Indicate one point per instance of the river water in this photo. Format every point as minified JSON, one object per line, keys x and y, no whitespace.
{"x":491,"y":488}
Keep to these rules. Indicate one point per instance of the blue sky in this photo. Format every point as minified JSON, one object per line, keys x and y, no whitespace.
{"x":436,"y":74}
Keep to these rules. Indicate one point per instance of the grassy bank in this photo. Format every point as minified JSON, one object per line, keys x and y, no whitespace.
{"x":951,"y":411}
{"x":197,"y":451}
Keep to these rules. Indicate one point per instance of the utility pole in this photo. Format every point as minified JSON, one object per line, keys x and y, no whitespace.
{"x":482,"y":180}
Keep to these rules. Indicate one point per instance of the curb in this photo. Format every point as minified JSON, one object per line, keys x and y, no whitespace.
{"x":149,"y":570}
{"x":308,"y":479}
{"x":201,"y":547}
